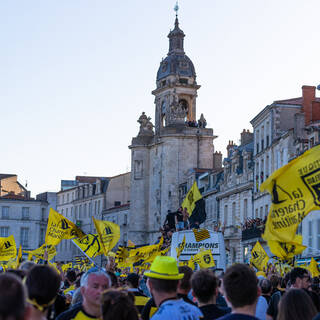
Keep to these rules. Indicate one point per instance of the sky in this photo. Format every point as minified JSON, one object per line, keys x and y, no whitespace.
{"x":75,"y":75}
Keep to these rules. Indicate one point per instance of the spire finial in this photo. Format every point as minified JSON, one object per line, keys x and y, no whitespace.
{"x":176,"y":8}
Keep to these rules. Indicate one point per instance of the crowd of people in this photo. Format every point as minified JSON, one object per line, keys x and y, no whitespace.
{"x":253,"y":223}
{"x":165,"y":291}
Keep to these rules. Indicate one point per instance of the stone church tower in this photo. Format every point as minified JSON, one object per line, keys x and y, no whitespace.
{"x":163,"y":155}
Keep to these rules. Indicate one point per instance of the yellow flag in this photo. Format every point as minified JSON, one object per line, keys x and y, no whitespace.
{"x":121,"y":256}
{"x":204,"y":259}
{"x":66,"y":266}
{"x":90,"y":245}
{"x":189,"y":263}
{"x":313,"y":268}
{"x":39,"y":252}
{"x":287,"y":250}
{"x":295,"y":191}
{"x":60,"y":228}
{"x":8,"y":248}
{"x":19,"y":256}
{"x":191,"y":198}
{"x":109,"y":234}
{"x":259,"y":257}
{"x":181,"y":247}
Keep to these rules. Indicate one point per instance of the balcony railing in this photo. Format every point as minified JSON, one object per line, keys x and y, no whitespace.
{"x":251,"y":233}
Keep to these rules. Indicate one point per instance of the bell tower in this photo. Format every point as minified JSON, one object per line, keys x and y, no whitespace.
{"x":176,"y":86}
{"x":164,"y":154}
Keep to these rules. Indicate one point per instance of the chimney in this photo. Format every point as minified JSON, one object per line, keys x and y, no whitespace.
{"x":230,"y":147}
{"x":246,"y":137}
{"x":217,"y":160}
{"x":308,"y":95}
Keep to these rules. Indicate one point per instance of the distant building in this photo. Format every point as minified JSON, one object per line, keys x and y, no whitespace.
{"x":90,"y":198}
{"x":9,"y":184}
{"x":21,"y":216}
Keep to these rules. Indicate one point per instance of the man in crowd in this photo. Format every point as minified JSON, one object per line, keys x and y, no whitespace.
{"x":43,"y":284}
{"x":205,"y":289}
{"x":184,"y":285}
{"x":93,"y":283}
{"x":241,"y":290}
{"x":13,"y":304}
{"x":133,"y":287}
{"x":299,"y":278}
{"x":163,"y":278}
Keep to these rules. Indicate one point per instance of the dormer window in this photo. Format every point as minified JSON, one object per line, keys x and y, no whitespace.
{"x":183,"y":80}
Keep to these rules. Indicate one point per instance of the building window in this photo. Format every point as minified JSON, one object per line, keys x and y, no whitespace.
{"x":99,"y":207}
{"x":90,"y":209}
{"x":62,"y":198}
{"x":68,"y":197}
{"x":24,"y":237}
{"x":80,"y":211}
{"x":71,"y":214}
{"x":85,"y":211}
{"x":256,"y":213}
{"x":225,"y":215}
{"x":267,"y":141}
{"x":261,"y":212}
{"x":5,"y":212}
{"x":4,"y":232}
{"x":310,"y":234}
{"x":233,"y":213}
{"x":25,"y":213}
{"x":245,"y":209}
{"x":41,"y":236}
{"x":267,"y":210}
{"x":43,"y":214}
{"x":67,"y":212}
{"x":117,"y":203}
{"x":125,"y":219}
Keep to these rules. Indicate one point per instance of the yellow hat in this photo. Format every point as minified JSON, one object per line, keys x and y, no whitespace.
{"x":261,"y":273}
{"x":164,"y":267}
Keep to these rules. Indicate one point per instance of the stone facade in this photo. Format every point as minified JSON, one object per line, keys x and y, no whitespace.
{"x":25,"y":219}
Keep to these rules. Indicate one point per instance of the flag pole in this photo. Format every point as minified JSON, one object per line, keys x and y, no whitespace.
{"x":85,"y":254}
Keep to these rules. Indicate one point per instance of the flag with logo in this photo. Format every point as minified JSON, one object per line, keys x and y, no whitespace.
{"x":40,"y":252}
{"x":313,"y":268}
{"x":121,"y":256}
{"x":89,"y":245}
{"x":181,"y":247}
{"x":8,"y":249}
{"x":195,"y":205}
{"x":109,"y":234}
{"x":295,"y":191}
{"x":204,"y":259}
{"x":60,"y":228}
{"x":189,"y":263}
{"x":287,"y":250}
{"x":201,"y":234}
{"x":259,"y":257}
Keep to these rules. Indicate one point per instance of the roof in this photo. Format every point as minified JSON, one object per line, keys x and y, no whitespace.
{"x":88,"y":179}
{"x":6,"y":175}
{"x":294,"y":101}
{"x":13,"y":196}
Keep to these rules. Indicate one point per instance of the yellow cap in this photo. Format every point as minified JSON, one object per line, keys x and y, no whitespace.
{"x":261,"y":273}
{"x":164,"y":267}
